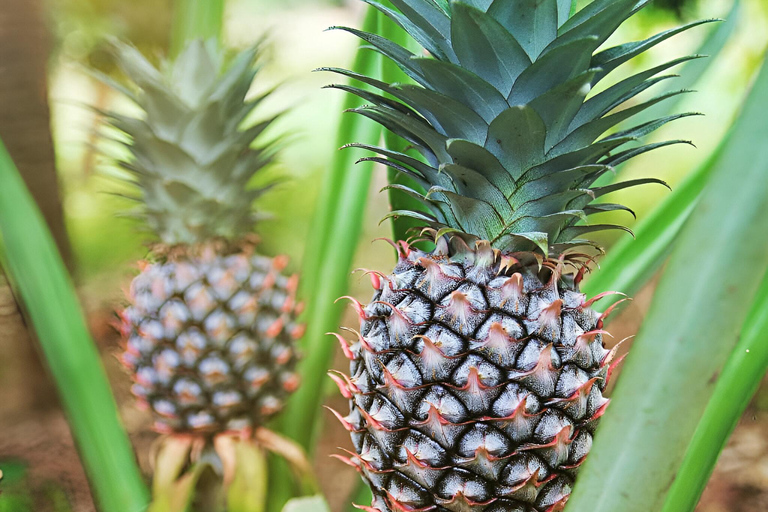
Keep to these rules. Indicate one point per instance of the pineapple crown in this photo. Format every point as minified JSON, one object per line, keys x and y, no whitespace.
{"x":188,"y":153}
{"x":512,"y":143}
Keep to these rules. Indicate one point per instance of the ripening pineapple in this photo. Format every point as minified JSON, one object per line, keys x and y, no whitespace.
{"x":478,"y":373}
{"x":211,"y":324}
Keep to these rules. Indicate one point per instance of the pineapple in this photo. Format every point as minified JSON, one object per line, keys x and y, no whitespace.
{"x":211,"y":326}
{"x":478,"y":372}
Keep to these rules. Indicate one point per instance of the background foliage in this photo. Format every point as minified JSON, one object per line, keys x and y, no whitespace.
{"x":105,"y":247}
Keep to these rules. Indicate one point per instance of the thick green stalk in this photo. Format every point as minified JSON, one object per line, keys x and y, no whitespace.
{"x":327,"y":265}
{"x":39,"y":275}
{"x":333,"y":183}
{"x":735,"y":388}
{"x":325,"y":273}
{"x":196,"y":19}
{"x":691,"y":329}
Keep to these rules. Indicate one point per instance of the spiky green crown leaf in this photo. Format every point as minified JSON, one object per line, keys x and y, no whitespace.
{"x":188,"y":152}
{"x":512,"y":142}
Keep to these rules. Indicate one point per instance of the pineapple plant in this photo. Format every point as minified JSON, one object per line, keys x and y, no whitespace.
{"x":211,"y":324}
{"x":478,"y":373}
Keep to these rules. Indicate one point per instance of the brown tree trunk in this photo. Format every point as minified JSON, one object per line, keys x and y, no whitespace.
{"x":24,"y":115}
{"x":25,"y":131}
{"x":24,"y":383}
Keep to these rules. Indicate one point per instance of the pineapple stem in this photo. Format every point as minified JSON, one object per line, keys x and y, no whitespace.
{"x":209,"y":496}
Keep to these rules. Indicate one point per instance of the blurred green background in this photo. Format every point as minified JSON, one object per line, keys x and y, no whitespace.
{"x":103,"y":244}
{"x":106,"y":246}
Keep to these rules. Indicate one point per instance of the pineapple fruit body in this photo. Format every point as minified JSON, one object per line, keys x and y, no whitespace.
{"x":210,"y":328}
{"x":474,"y":385}
{"x":210,"y":339}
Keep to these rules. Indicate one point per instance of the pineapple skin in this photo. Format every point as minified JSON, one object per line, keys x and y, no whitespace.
{"x":474,"y":385}
{"x":210,"y":339}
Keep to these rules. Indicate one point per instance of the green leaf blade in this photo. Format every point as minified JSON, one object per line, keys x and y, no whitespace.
{"x":335,"y":233}
{"x":691,"y":329}
{"x":532,"y":22}
{"x":735,"y":388}
{"x":517,"y":139}
{"x":34,"y":265}
{"x":486,"y":48}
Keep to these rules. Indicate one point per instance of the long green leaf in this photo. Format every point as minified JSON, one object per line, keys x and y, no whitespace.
{"x":735,"y":388}
{"x":196,"y":19}
{"x":39,"y":275}
{"x":330,"y":249}
{"x":691,"y":329}
{"x":329,"y":258}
